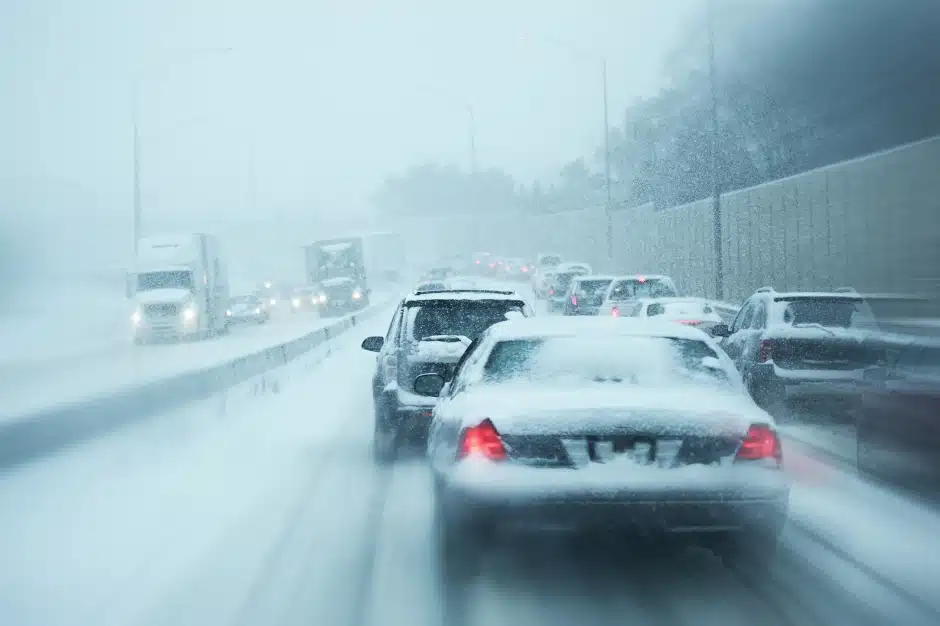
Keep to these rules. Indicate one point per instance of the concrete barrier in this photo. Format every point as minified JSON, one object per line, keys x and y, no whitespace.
{"x":47,"y":431}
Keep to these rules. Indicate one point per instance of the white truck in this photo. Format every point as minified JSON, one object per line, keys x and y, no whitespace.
{"x":179,"y":287}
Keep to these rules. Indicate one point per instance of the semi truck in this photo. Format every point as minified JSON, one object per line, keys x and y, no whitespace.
{"x":179,"y":288}
{"x":345,"y":270}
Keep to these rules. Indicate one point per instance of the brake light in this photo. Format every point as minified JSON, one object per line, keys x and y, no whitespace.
{"x":641,"y":279}
{"x":478,"y":261}
{"x":482,"y":441}
{"x":574,"y":300}
{"x":525,"y":269}
{"x":492,"y":265}
{"x":615,"y":312}
{"x":551,"y":291}
{"x":760,"y":442}
{"x":765,"y":351}
{"x":391,"y":367}
{"x":689,"y":322}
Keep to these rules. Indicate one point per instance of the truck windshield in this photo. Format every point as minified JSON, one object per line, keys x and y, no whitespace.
{"x":164,"y":280}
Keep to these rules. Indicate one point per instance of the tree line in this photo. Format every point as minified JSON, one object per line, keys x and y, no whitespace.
{"x":798,"y":83}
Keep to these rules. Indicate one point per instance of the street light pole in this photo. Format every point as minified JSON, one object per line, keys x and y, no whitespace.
{"x":607,"y":208}
{"x":135,"y":105}
{"x":473,"y":140}
{"x":715,"y":149}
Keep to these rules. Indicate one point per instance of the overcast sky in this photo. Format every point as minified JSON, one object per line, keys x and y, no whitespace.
{"x":315,"y":103}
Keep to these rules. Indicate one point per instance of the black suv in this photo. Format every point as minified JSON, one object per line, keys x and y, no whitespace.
{"x":429,"y":333}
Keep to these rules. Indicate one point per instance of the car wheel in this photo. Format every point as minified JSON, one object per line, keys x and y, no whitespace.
{"x":384,"y":442}
{"x":459,"y":546}
{"x":749,"y":552}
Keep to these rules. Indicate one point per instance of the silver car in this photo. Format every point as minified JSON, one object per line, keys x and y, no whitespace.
{"x":593,"y":422}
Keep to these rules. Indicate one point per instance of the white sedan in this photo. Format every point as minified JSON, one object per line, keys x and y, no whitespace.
{"x":695,"y":312}
{"x":591,"y":423}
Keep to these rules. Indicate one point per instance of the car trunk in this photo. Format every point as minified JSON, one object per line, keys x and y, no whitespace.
{"x":656,"y":438}
{"x":831,"y":349}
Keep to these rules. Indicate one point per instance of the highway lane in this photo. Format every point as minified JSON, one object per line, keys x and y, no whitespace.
{"x":275,"y":514}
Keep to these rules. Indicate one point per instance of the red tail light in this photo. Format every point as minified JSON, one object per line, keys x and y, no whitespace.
{"x":615,"y":312}
{"x":492,"y":265}
{"x":482,"y":441}
{"x":478,"y":261}
{"x":525,"y":269}
{"x":766,"y":350}
{"x":689,"y":322}
{"x":574,"y":300}
{"x":760,"y":442}
{"x":551,"y":291}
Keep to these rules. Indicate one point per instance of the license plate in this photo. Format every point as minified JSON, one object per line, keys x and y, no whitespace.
{"x":658,"y":452}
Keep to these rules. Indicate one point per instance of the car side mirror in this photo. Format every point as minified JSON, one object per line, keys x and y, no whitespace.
{"x":373,"y":344}
{"x":720,"y":330}
{"x":429,"y":384}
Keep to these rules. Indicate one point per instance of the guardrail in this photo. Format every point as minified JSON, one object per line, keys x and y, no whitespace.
{"x":47,"y":431}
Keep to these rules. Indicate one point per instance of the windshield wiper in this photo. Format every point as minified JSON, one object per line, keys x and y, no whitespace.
{"x":814,"y":325}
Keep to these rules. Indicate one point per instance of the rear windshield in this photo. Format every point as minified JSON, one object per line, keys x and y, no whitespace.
{"x":828,"y":312}
{"x":457,"y":317}
{"x":550,"y":261}
{"x":636,"y":288}
{"x":432,"y":287}
{"x":592,"y":288}
{"x":603,"y":358}
{"x":563,"y":281}
{"x":679,"y":307}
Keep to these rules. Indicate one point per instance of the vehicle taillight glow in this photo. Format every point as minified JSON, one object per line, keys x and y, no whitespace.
{"x":482,"y":441}
{"x":551,"y":291}
{"x":478,"y":261}
{"x":574,"y":300}
{"x":615,"y":312}
{"x":690,"y":322}
{"x":760,"y":442}
{"x":492,"y":265}
{"x":525,"y":269}
{"x":641,"y":279}
{"x":766,"y":350}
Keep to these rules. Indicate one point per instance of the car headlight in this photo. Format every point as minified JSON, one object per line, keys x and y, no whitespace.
{"x":229,"y":313}
{"x":322,"y":298}
{"x":273,"y":301}
{"x":189,"y":314}
{"x":296,"y":302}
{"x":136,"y":318}
{"x":258,"y":311}
{"x":356,"y":295}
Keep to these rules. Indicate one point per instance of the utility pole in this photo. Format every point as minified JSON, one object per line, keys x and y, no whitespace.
{"x":135,"y":106}
{"x":608,"y":208}
{"x":715,"y":151}
{"x":473,"y":140}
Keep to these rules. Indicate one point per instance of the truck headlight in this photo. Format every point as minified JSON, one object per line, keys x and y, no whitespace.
{"x":322,"y":298}
{"x":136,"y":318}
{"x":296,"y":302}
{"x":273,"y":301}
{"x":189,"y":314}
{"x":356,"y":295}
{"x":229,"y":313}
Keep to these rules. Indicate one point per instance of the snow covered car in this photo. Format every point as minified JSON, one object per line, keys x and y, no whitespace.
{"x":696,"y":312}
{"x":544,"y":267}
{"x":247,"y":310}
{"x":585,"y":294}
{"x":429,"y":333}
{"x":629,"y":289}
{"x":597,"y":423}
{"x":431,"y":285}
{"x":560,"y":282}
{"x":305,"y":299}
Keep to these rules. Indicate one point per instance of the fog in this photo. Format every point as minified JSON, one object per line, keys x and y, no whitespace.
{"x":287,"y":115}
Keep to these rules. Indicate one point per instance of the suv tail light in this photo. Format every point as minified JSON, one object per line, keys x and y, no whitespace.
{"x":760,"y":442}
{"x":574,"y":300}
{"x":390,"y":365}
{"x":765,"y":351}
{"x":551,"y":291}
{"x":481,"y":441}
{"x":615,"y":312}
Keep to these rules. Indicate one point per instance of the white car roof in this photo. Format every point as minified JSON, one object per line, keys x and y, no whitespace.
{"x":643,"y":276}
{"x":585,"y":277}
{"x":464,"y":294}
{"x":546,"y":326}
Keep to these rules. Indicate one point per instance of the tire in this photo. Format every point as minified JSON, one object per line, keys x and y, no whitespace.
{"x":459,"y":547}
{"x":385,"y":441}
{"x":750,"y":552}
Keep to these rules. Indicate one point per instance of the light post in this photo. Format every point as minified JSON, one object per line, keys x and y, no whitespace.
{"x":136,"y":81}
{"x":715,"y":151}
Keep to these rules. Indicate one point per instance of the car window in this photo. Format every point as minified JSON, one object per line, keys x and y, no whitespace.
{"x":563,"y":281}
{"x":591,"y":288}
{"x":828,"y":312}
{"x":456,"y":317}
{"x":634,"y":288}
{"x":748,"y":315}
{"x":759,"y":319}
{"x":739,"y":318}
{"x":393,"y":326}
{"x":550,"y":261}
{"x":651,"y":361}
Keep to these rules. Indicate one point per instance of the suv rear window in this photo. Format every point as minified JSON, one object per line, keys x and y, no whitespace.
{"x":465,"y":318}
{"x":563,"y":281}
{"x":549,"y":261}
{"x":828,"y":312}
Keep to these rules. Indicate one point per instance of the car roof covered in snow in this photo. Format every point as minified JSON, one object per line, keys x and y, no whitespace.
{"x":464,"y":294}
{"x":643,"y":277}
{"x":551,"y":326}
{"x":587,"y":277}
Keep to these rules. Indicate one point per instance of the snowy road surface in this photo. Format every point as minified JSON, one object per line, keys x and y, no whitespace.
{"x":34,"y":386}
{"x":274,"y":514}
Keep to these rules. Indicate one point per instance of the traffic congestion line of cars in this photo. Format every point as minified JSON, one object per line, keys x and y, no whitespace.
{"x":606,"y":422}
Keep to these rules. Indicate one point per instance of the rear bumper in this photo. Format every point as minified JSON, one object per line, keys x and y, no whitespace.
{"x":718,"y":507}
{"x":792,"y":384}
{"x":408,"y":414}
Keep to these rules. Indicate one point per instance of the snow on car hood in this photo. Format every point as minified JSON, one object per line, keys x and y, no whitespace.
{"x":526,"y":408}
{"x":439,"y":349}
{"x":163,"y":296}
